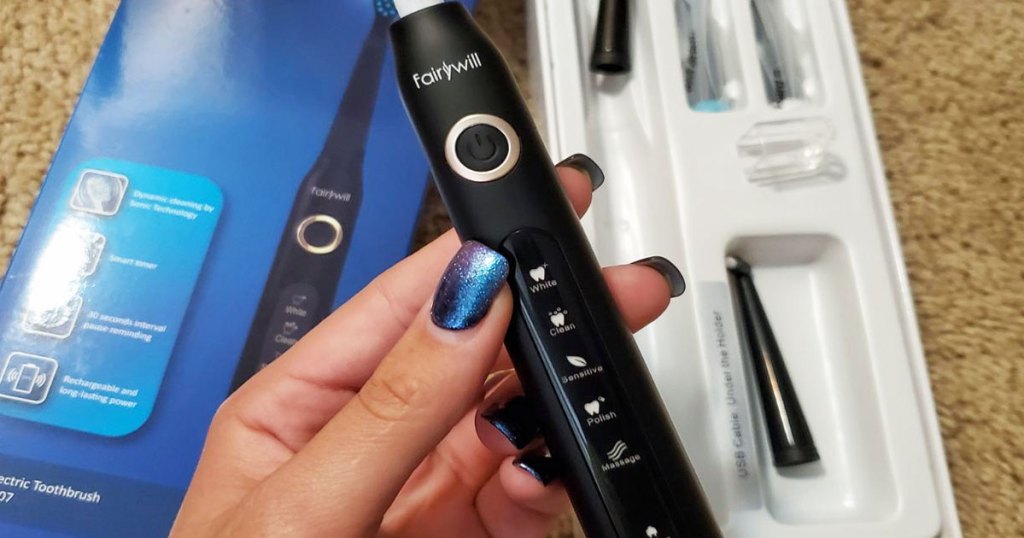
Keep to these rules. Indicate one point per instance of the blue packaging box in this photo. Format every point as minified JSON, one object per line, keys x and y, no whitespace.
{"x":232,"y":172}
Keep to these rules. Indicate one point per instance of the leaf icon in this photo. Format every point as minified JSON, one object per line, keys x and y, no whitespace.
{"x":578,"y":362}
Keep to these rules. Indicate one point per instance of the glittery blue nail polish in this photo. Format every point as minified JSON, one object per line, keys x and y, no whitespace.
{"x":468,"y":286}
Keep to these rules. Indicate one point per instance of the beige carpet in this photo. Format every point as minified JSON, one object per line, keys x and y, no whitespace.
{"x":947,"y":88}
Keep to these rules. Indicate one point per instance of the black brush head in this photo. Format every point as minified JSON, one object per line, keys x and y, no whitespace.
{"x":788,"y":432}
{"x":737,"y":265}
{"x":612,"y":54}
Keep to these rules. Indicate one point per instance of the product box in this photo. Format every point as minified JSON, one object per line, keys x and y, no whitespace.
{"x":232,"y":171}
{"x":785,"y":173}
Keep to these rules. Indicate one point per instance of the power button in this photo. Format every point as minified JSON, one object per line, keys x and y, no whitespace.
{"x":319,"y":234}
{"x":481,"y":147}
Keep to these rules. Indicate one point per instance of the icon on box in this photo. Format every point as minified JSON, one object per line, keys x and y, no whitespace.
{"x":27,"y":378}
{"x":78,"y":249}
{"x":90,"y":245}
{"x":56,"y":319}
{"x":99,"y":192}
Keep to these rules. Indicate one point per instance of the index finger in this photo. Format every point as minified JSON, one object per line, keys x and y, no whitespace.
{"x":326,"y":367}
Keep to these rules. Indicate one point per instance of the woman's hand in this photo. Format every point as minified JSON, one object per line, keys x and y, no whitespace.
{"x":398,"y":415}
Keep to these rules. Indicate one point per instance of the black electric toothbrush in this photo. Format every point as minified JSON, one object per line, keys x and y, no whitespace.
{"x":623,"y":465}
{"x":311,"y":252}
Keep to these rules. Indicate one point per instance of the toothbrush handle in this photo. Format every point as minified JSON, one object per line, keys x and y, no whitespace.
{"x":311,"y":254}
{"x":303,"y":279}
{"x":624,"y":468}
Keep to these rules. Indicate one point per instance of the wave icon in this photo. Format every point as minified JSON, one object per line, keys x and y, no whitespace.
{"x":617,"y":451}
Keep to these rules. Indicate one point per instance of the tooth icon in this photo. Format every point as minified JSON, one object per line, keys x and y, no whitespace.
{"x":538,"y":273}
{"x":557,"y":317}
{"x":592,"y":408}
{"x":652,"y":532}
{"x":290,"y":327}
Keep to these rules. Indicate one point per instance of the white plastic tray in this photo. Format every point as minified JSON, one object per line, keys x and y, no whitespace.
{"x":827,"y":264}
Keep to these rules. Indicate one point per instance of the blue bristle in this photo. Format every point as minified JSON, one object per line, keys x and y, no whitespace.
{"x":385,"y":8}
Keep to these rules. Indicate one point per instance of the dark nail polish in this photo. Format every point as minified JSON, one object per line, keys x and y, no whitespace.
{"x":586,"y":165}
{"x":468,"y":287}
{"x":668,"y":270}
{"x":540,"y":465}
{"x":515,"y":420}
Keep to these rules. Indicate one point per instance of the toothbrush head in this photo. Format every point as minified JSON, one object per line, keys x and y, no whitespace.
{"x":406,"y":7}
{"x":385,"y":8}
{"x":737,"y":265}
{"x":711,"y":105}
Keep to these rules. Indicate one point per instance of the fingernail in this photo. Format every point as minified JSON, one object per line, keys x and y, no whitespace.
{"x":494,"y":378}
{"x":668,"y":270}
{"x":515,"y":420}
{"x":540,"y":465}
{"x":586,"y":165}
{"x":468,"y":287}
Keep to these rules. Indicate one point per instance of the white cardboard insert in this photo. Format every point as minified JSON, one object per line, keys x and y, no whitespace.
{"x":827,"y":263}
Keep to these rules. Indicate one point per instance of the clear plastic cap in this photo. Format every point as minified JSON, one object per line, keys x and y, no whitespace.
{"x":786,"y":150}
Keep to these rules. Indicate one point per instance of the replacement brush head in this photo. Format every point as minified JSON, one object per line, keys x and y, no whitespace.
{"x":405,"y":7}
{"x":788,"y":433}
{"x":611,"y":53}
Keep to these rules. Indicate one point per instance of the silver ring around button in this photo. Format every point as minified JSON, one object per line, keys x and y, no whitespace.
{"x":300,"y":234}
{"x":514,"y":148}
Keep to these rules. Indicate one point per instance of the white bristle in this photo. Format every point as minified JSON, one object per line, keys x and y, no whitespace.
{"x":406,"y":7}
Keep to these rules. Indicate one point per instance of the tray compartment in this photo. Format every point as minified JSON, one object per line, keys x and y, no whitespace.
{"x":676,"y":188}
{"x":810,"y":296}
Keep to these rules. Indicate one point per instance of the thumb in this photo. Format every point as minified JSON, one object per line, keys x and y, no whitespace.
{"x":344,"y":480}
